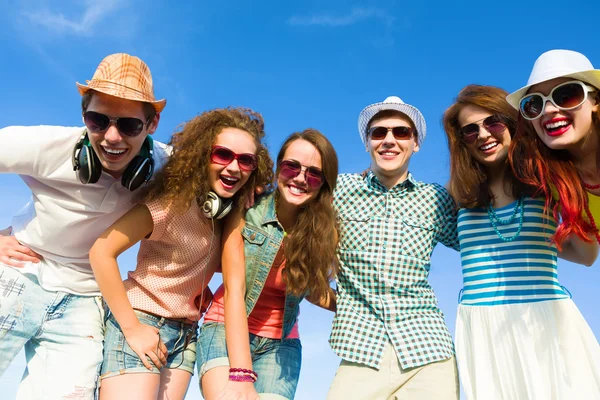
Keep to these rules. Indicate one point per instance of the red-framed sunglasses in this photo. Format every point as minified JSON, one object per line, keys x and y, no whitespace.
{"x":224,"y":156}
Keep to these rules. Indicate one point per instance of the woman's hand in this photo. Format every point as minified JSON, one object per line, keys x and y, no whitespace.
{"x":238,"y":391}
{"x":145,"y":341}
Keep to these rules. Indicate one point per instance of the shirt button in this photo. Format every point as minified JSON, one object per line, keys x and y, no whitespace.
{"x":253,"y":236}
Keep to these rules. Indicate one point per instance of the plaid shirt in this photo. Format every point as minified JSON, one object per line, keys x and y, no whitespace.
{"x":386,"y":241}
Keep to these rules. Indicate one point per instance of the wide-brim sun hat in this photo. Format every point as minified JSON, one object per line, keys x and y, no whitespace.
{"x":396,"y":104}
{"x":124,"y":76}
{"x":558,"y":64}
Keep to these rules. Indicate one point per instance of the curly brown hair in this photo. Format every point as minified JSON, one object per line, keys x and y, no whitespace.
{"x":185,"y":176}
{"x":468,"y":183}
{"x":310,"y":247}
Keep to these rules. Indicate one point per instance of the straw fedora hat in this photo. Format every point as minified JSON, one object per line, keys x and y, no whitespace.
{"x":558,"y":64}
{"x":391,"y":103}
{"x":125,"y":76}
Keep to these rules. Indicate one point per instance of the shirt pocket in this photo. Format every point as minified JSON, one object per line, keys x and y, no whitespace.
{"x":355,"y":231}
{"x":418,"y":238}
{"x":254,"y":240}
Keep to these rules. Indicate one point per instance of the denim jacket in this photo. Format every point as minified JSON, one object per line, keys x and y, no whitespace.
{"x":263,"y":235}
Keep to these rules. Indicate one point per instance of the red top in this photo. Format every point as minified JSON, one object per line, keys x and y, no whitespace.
{"x":266,"y":319}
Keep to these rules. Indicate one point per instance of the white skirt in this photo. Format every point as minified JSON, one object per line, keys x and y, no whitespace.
{"x":529,"y":351}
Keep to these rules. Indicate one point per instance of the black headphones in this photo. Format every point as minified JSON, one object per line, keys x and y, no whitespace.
{"x":215,"y":207}
{"x":89,"y":169}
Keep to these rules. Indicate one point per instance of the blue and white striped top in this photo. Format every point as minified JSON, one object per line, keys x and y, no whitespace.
{"x":499,"y":272}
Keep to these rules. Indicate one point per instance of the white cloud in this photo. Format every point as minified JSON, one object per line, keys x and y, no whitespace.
{"x":80,"y":24}
{"x":356,"y":15}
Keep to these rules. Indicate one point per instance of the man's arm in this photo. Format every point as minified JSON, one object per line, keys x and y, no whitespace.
{"x":19,"y":148}
{"x":18,"y":151}
{"x":449,"y":230}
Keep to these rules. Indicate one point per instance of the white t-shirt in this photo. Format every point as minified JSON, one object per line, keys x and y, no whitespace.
{"x":64,"y":217}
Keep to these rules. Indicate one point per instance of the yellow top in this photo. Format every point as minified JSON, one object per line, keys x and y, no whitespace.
{"x":594,"y":204}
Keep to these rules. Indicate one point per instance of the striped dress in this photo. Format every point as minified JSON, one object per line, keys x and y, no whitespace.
{"x":518,"y":334}
{"x":498,"y":272}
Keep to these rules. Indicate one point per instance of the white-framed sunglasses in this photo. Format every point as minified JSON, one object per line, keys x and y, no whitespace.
{"x":566,"y":96}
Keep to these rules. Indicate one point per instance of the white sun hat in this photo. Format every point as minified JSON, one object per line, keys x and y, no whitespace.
{"x":391,"y":103}
{"x":558,"y":64}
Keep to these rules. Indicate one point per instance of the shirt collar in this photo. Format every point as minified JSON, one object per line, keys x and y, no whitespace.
{"x":373,"y":181}
{"x":270,"y":214}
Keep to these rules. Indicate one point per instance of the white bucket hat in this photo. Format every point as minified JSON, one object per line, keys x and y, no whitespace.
{"x":391,"y":103}
{"x":558,"y":64}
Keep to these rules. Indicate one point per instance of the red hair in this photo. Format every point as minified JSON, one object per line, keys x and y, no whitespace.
{"x":553,"y":175}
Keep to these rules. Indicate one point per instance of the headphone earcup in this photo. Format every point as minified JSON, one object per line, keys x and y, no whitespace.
{"x":138,"y":172}
{"x":88,"y":166}
{"x":215,"y":207}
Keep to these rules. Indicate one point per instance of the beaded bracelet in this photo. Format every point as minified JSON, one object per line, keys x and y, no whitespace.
{"x":242,"y":378}
{"x":242,"y":375}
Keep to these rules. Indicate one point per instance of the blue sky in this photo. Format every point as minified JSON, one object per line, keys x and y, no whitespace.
{"x":301,"y":64}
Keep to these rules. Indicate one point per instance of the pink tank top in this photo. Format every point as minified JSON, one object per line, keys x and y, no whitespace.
{"x":180,"y":256}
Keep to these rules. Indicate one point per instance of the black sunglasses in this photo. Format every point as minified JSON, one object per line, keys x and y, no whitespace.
{"x":399,"y":132}
{"x":493,"y":124}
{"x":97,"y":123}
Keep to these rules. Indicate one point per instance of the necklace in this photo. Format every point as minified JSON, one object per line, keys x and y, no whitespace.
{"x":495,"y":220}
{"x":588,"y":186}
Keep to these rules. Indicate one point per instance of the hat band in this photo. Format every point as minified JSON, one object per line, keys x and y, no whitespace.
{"x":94,"y":83}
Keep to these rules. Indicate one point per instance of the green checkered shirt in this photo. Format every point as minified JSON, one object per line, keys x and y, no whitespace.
{"x":386,"y":241}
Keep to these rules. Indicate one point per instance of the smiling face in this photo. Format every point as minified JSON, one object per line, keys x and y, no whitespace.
{"x":389,"y":156}
{"x":489,"y":150}
{"x":296,"y":192}
{"x":114,"y":149}
{"x":226,"y":180}
{"x":563,"y":129}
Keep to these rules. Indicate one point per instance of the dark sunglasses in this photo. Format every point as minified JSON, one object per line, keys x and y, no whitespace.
{"x":399,"y":132}
{"x":566,"y":96}
{"x":98,"y":123}
{"x":224,"y":156}
{"x":289,"y":169}
{"x":493,"y":124}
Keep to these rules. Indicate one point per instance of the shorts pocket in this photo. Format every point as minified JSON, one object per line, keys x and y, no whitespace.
{"x":211,"y":343}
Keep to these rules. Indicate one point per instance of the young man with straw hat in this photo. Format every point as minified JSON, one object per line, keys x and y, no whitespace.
{"x":82,"y":179}
{"x":388,"y":329}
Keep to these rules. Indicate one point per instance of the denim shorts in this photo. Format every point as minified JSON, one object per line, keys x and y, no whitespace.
{"x":62,"y":335}
{"x":179,"y":338}
{"x":277,"y":362}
